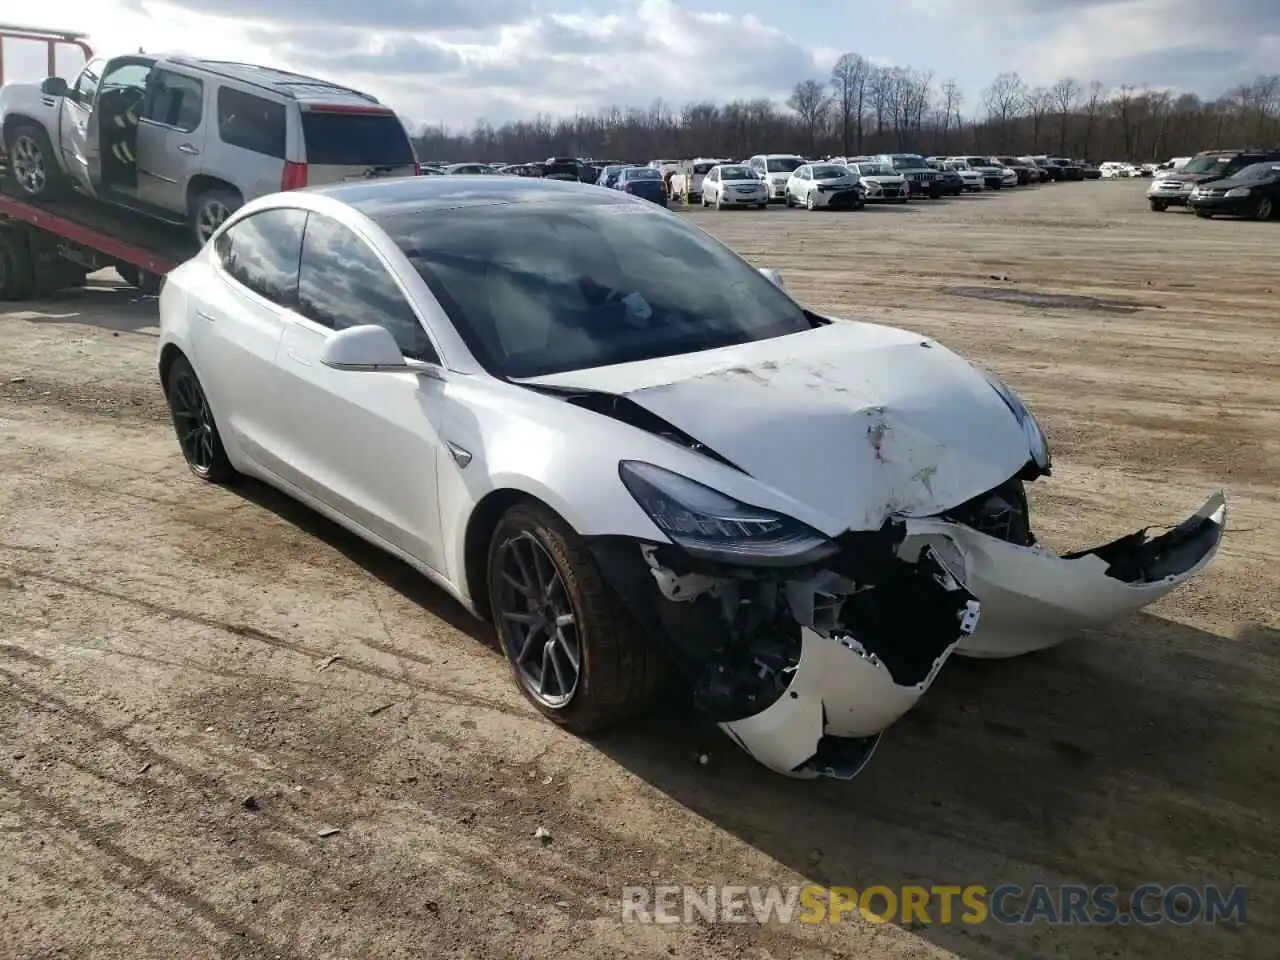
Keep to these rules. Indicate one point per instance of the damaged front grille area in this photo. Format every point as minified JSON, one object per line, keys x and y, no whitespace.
{"x":784,"y":660}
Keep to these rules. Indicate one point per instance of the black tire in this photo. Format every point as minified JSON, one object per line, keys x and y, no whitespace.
{"x":618,"y":669}
{"x":206,"y":207}
{"x":1204,"y":214}
{"x":903,"y":199}
{"x":1159,"y":206}
{"x":763,"y":206}
{"x":195,"y":426}
{"x":1264,"y":209}
{"x":17,"y":279}
{"x":29,"y":139}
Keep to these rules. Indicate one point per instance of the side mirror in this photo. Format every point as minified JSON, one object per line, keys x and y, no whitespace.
{"x":53,"y":87}
{"x":366,"y":348}
{"x":774,"y":277}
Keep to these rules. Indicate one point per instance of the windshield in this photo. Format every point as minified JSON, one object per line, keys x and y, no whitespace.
{"x":701,"y":169}
{"x":642,"y":173}
{"x":783,"y":164}
{"x":737,"y":173}
{"x":356,"y":139}
{"x":829,"y":171}
{"x":1206,"y":164}
{"x":910,"y":162}
{"x":548,"y":287}
{"x":875,"y":170}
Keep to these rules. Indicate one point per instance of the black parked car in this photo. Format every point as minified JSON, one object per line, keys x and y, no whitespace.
{"x":952,"y":182}
{"x":1253,"y":192}
{"x":1027,"y":173}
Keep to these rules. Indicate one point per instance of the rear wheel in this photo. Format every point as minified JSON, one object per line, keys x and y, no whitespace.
{"x":574,"y":651}
{"x":33,"y":166}
{"x":194,"y":424}
{"x":209,"y":209}
{"x":1262,"y":210}
{"x":1204,"y":214}
{"x":16,"y":276}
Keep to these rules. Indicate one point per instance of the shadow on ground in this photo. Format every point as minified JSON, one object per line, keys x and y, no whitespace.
{"x":1123,"y":757}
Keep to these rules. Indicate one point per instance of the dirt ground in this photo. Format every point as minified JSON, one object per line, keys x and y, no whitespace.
{"x":165,"y":654}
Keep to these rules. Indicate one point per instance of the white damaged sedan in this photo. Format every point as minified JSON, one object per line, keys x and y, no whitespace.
{"x":603,"y":430}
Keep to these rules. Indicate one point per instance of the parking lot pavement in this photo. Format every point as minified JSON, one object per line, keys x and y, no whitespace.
{"x":177,"y":742}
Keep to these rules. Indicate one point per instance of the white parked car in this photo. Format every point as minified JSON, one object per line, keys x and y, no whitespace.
{"x":630,"y":448}
{"x":1114,"y":169}
{"x":687,"y":180}
{"x":820,"y":186}
{"x":733,"y":185}
{"x":880,"y":183}
{"x":775,"y":170}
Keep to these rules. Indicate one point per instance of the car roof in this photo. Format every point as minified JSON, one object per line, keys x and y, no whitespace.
{"x":294,"y":86}
{"x":395,"y":195}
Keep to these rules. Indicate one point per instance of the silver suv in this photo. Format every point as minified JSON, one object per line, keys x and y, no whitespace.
{"x":187,"y":140}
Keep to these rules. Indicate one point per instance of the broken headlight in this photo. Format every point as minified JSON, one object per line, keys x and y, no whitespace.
{"x":713,"y":526}
{"x":1036,"y":440}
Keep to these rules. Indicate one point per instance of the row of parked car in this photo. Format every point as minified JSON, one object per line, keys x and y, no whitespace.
{"x":835,"y":182}
{"x":1232,"y":182}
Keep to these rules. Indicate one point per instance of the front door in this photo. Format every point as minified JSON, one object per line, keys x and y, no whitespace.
{"x":79,"y":148}
{"x":171,"y":136}
{"x":237,"y":320}
{"x":366,"y":444}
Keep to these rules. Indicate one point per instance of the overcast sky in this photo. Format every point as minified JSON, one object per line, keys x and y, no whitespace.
{"x":453,"y":61}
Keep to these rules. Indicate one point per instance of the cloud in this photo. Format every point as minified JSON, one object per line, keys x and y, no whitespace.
{"x":455,"y":61}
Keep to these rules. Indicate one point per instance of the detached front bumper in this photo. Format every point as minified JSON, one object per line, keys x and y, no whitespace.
{"x":1033,"y":599}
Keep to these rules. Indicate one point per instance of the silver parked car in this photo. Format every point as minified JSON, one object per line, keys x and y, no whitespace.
{"x":188,"y":140}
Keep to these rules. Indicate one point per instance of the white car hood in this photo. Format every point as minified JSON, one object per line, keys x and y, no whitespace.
{"x":884,"y":179}
{"x":856,"y":420}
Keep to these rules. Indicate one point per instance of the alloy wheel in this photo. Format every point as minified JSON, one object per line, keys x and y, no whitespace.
{"x":210,"y":218}
{"x":536,"y":621}
{"x":29,"y":165}
{"x":193,"y":421}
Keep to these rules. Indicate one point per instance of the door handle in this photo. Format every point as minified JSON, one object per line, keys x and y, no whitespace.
{"x":205,"y":316}
{"x":188,"y":148}
{"x":297,"y":359}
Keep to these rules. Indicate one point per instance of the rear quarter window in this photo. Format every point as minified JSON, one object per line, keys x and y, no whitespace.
{"x":251,"y":122}
{"x":355,"y":139}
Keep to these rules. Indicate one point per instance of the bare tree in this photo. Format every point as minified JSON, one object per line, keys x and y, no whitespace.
{"x":952,"y":98}
{"x":1092,"y":108}
{"x":810,"y":102}
{"x":1003,"y":98}
{"x":880,"y":92}
{"x":1038,"y":103}
{"x":849,"y":83}
{"x":1065,"y":94}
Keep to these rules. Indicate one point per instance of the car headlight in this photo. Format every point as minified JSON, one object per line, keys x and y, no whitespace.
{"x":1238,"y":192}
{"x":1036,"y":440}
{"x":714,"y":526}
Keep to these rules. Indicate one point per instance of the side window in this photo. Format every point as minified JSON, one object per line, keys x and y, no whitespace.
{"x":175,"y":100}
{"x":1240,"y":162}
{"x":251,"y":123}
{"x":343,"y":283}
{"x":86,"y":84}
{"x":262,"y":251}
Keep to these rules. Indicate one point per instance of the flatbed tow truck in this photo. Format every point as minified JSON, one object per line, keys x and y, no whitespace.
{"x":52,"y":246}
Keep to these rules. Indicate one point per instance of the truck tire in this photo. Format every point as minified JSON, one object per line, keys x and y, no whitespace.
{"x":33,"y":166}
{"x":17,"y":279}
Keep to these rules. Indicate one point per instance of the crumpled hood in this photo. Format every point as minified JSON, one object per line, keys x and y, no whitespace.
{"x":885,"y":179}
{"x":857,"y":420}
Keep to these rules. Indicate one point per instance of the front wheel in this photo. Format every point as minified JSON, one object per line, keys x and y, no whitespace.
{"x":903,"y":199}
{"x":1159,"y":206}
{"x":574,"y":651}
{"x":33,"y":166}
{"x":809,"y":202}
{"x":195,"y":426}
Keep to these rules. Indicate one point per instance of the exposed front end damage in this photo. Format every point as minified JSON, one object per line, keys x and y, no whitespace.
{"x":803,"y":668}
{"x":1033,"y":598}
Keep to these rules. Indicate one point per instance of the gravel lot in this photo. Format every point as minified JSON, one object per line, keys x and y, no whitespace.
{"x":166,"y":652}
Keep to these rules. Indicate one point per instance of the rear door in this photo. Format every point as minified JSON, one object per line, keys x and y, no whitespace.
{"x":354,"y":143}
{"x":171,"y":135}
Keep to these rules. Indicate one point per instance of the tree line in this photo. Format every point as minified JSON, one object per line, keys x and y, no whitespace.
{"x":864,"y":108}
